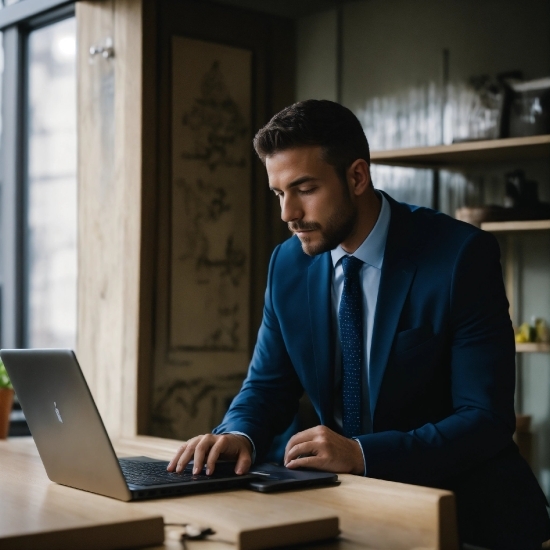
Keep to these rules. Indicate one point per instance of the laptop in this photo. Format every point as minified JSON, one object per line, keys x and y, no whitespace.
{"x":76,"y":450}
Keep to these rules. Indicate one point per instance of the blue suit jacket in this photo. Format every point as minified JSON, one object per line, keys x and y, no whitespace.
{"x":442,"y":365}
{"x":442,"y":359}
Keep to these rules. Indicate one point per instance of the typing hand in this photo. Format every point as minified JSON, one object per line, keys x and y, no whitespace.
{"x":322,"y":449}
{"x":206,"y":449}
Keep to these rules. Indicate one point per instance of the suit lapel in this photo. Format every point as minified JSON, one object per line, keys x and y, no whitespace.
{"x":395,"y":281}
{"x":318,"y":289}
{"x":394,"y":287}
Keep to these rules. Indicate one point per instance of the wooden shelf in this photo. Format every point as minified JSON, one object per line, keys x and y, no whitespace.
{"x":532,"y":347}
{"x":472,"y":152}
{"x":529,"y":225}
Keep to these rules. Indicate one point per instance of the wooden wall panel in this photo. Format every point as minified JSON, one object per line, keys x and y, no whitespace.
{"x":111,"y":183}
{"x":191,"y":394}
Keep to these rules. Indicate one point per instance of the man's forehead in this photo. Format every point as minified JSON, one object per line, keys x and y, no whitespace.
{"x":295,"y":155}
{"x":285,"y":166}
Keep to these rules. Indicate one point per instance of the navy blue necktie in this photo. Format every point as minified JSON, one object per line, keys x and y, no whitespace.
{"x":351,"y":339}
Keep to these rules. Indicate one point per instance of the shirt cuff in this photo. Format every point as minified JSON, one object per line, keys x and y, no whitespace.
{"x":362,"y":452}
{"x":251,"y":443}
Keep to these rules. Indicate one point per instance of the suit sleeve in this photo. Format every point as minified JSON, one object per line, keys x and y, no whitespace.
{"x":482,"y":362}
{"x":269,"y":397}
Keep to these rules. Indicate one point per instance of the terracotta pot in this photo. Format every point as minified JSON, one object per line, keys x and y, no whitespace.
{"x":6,"y":403}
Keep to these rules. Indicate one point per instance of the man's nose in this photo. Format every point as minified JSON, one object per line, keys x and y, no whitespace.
{"x":291,"y":209}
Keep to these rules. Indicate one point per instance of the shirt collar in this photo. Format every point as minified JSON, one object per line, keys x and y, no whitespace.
{"x":372,"y":248}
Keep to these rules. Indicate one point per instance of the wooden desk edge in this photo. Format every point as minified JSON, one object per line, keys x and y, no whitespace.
{"x":132,"y":533}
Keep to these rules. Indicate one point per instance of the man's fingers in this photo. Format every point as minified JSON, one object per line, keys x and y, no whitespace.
{"x":243,"y":462}
{"x":300,"y":437}
{"x":213,"y":456}
{"x":186,"y":456}
{"x":172,"y":464}
{"x":188,"y":453}
{"x":183,"y":455}
{"x":306,"y":448}
{"x":316,"y":462}
{"x":208,"y":449}
{"x":230,"y":446}
{"x":201,"y":451}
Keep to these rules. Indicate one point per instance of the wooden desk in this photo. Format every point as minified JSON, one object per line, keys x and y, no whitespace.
{"x":373,"y":513}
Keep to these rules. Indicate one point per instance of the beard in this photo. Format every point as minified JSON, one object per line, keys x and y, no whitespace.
{"x":338,"y":227}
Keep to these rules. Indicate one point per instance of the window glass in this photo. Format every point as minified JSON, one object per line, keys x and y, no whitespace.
{"x":1,"y":157}
{"x":52,"y":187}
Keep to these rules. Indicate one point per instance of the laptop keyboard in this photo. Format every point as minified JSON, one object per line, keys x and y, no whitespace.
{"x":154,"y":473}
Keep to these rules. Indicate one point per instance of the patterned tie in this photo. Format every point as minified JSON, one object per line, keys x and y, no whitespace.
{"x":351,"y":336}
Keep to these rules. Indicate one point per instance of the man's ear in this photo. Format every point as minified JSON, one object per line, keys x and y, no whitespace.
{"x":359,"y":177}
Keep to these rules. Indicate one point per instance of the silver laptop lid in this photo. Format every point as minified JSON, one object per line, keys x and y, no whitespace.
{"x":64,"y":421}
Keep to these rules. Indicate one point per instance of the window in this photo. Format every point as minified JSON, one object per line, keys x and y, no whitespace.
{"x":38,"y":184}
{"x":1,"y":171}
{"x":51,"y":261}
{"x":38,"y":187}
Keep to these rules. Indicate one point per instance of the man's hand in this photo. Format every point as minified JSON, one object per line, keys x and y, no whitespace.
{"x":208,"y":448}
{"x":323,"y":449}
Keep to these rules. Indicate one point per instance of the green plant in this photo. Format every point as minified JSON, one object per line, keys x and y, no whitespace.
{"x":4,"y":378}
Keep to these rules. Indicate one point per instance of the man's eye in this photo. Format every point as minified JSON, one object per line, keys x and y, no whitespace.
{"x":308,"y":191}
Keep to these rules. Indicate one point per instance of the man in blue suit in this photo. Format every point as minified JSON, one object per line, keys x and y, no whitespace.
{"x":394,"y":320}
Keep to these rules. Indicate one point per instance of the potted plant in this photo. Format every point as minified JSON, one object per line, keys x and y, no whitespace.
{"x":6,"y":401}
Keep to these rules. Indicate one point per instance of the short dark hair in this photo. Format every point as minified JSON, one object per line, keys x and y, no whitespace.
{"x":316,"y":123}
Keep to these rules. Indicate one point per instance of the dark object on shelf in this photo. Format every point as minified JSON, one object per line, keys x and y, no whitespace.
{"x":530,"y":108}
{"x":521,"y":203}
{"x":522,"y":198}
{"x":506,"y":80}
{"x":485,"y":110}
{"x":489,"y":116}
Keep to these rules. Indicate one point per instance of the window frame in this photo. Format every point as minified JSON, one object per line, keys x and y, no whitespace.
{"x":16,"y":23}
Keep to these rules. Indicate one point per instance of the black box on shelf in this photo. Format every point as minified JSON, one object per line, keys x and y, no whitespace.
{"x":530,"y":108}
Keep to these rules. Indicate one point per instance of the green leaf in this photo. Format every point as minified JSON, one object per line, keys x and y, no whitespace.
{"x":4,"y":378}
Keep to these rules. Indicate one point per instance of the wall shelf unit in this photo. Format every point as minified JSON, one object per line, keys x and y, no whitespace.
{"x":512,"y":226}
{"x":533,"y":347}
{"x":508,"y":230}
{"x":507,"y":150}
